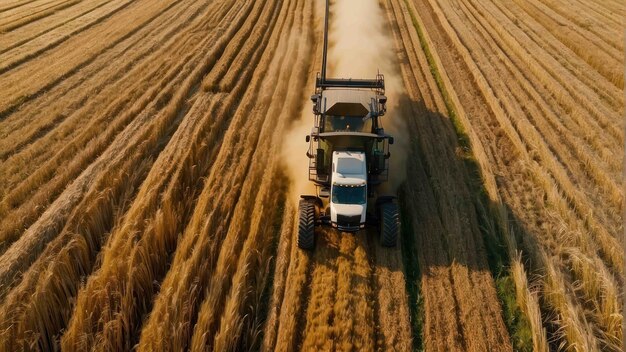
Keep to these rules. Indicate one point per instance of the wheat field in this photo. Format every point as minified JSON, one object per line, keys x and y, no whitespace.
{"x":149,"y":184}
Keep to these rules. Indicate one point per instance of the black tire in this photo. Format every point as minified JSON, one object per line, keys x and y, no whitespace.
{"x":389,"y":224}
{"x":306,"y":225}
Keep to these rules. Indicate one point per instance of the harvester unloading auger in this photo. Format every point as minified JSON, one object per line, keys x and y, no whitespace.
{"x":348,"y":158}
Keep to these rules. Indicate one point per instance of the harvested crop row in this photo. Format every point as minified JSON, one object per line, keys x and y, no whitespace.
{"x":10,"y":23}
{"x":575,"y":321}
{"x":78,"y":147}
{"x":74,"y":54}
{"x":445,"y":191}
{"x":586,"y":21}
{"x":29,"y":9}
{"x":581,"y":168}
{"x":224,"y":214}
{"x":9,"y":5}
{"x":166,"y":127}
{"x":18,"y":46}
{"x":601,"y":57}
{"x":238,"y":143}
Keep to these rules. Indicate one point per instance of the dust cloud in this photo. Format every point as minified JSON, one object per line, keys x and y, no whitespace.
{"x":360,"y":46}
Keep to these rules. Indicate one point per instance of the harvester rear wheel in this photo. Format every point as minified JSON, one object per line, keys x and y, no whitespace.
{"x":306,"y":225}
{"x":389,"y":224}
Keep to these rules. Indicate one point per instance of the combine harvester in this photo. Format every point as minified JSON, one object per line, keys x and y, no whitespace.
{"x":348,"y":158}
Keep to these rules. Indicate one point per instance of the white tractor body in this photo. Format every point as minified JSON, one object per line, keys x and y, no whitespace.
{"x":348,"y":193}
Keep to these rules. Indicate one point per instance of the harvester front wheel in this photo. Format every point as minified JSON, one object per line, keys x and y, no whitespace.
{"x":306,"y":225}
{"x":389,"y":224}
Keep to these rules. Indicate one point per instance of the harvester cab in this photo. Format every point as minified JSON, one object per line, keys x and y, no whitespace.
{"x":348,"y":158}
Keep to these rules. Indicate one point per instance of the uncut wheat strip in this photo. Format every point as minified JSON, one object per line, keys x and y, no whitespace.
{"x":274,"y":121}
{"x":586,"y":22}
{"x":205,"y":201}
{"x":22,"y":46}
{"x":593,"y":132}
{"x":232,"y":51}
{"x":566,"y":60}
{"x":535,"y":112}
{"x":279,"y":284}
{"x":598,"y":286}
{"x":232,"y":318}
{"x":607,"y":242}
{"x":244,"y":163}
{"x":574,"y":327}
{"x":163,"y":223}
{"x":50,"y":68}
{"x":243,"y":315}
{"x":133,"y":126}
{"x":606,"y":312}
{"x":318,"y":333}
{"x":246,"y":312}
{"x":33,"y":30}
{"x":67,"y":102}
{"x":284,"y":111}
{"x":53,"y":219}
{"x":604,"y":60}
{"x":28,"y":316}
{"x":183,"y":243}
{"x":280,"y":327}
{"x":154,"y":268}
{"x":292,"y":320}
{"x":529,"y":304}
{"x":46,"y":194}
